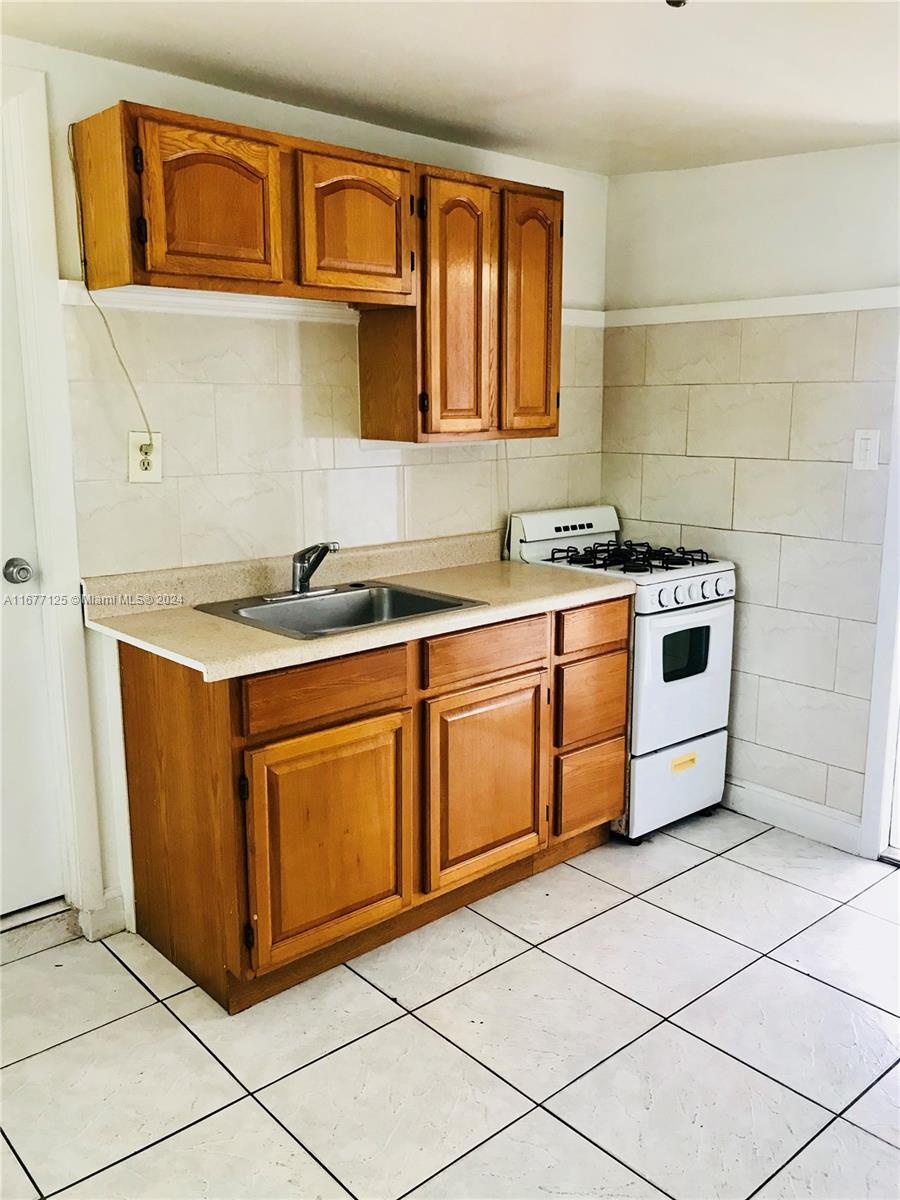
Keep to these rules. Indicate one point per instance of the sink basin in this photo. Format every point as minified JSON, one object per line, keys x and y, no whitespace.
{"x":326,"y":611}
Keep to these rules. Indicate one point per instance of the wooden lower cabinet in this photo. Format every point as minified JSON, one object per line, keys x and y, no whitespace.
{"x":590,"y":787}
{"x":486,"y":778}
{"x":329,"y":834}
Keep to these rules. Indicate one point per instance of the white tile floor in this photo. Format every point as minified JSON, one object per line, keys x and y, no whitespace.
{"x":714,"y":1013}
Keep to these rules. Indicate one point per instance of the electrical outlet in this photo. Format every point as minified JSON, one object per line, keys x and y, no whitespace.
{"x":144,"y":467}
{"x":866,"y":444}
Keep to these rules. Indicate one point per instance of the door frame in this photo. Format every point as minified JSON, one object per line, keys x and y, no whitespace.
{"x":26,"y":153}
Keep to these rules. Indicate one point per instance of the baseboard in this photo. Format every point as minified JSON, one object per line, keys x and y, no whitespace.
{"x":97,"y":923}
{"x":827,"y":825}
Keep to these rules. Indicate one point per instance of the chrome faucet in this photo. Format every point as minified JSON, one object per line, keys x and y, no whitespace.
{"x":307,"y":562}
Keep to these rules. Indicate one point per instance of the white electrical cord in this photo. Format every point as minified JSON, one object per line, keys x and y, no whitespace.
{"x":147,"y":447}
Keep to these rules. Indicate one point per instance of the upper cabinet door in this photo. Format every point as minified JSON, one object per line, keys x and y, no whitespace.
{"x":461,"y":306}
{"x":212,"y":203}
{"x":354,"y":220}
{"x":531,"y":311}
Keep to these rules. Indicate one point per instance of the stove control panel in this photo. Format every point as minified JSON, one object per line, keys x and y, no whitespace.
{"x":715,"y":586}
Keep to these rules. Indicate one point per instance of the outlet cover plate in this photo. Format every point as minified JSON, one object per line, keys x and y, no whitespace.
{"x":866,"y":446}
{"x":137,"y":473}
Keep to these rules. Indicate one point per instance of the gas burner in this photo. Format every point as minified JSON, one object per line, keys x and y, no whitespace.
{"x":637,"y":567}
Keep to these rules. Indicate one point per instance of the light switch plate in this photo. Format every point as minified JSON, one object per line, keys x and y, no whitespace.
{"x":866,"y":444}
{"x":144,"y":468}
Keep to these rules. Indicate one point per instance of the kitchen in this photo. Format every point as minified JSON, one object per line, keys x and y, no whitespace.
{"x":606,"y":457}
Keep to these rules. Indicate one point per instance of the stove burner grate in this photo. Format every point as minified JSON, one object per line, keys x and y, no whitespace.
{"x":634,"y":558}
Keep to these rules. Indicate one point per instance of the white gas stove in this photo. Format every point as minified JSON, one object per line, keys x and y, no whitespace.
{"x":681,"y":667}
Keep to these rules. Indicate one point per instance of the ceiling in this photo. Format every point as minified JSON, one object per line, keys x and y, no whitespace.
{"x":610,"y":87}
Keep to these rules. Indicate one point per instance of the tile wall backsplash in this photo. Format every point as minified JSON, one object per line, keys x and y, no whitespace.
{"x":738,"y":436}
{"x":261,"y":446}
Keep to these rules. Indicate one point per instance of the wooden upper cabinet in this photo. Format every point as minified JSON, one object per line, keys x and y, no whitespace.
{"x":460,"y":294}
{"x":329,"y":834}
{"x":212,"y":202}
{"x":487,"y":778}
{"x":531,"y":310}
{"x":354,"y":224}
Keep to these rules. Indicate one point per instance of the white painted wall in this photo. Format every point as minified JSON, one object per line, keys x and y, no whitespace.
{"x":80,"y":84}
{"x":807,"y":223}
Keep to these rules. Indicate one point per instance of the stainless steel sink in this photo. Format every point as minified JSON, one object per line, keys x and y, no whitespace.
{"x":327,"y":611}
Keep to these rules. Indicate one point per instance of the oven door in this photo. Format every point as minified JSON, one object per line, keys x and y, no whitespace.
{"x":682,"y":675}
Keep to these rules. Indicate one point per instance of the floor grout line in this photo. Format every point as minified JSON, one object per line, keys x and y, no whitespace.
{"x":14,"y":1152}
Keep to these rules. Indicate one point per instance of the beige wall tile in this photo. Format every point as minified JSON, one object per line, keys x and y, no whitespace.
{"x":208,"y":349}
{"x":777,"y":349}
{"x":586,"y":479}
{"x":622,"y":483}
{"x":815,"y":724}
{"x":824,"y":417}
{"x":845,"y":790}
{"x":645,"y":420}
{"x":225,"y":518}
{"x":567,"y":357}
{"x":695,"y":352}
{"x":877,"y":334}
{"x":273,"y":428}
{"x":782,"y":644}
{"x":451,"y":498}
{"x":316,"y":352}
{"x":855,"y":658}
{"x":659,"y":532}
{"x":865,"y":505}
{"x":697,"y":491}
{"x":89,"y":352}
{"x":361,"y":507}
{"x":800,"y":498}
{"x":746,"y":420}
{"x":755,"y":556}
{"x":775,"y":769}
{"x":588,"y":357}
{"x":125,"y":527}
{"x":835,"y":578}
{"x":744,"y":706}
{"x":580,"y":424}
{"x":538,"y":483}
{"x":623,"y":355}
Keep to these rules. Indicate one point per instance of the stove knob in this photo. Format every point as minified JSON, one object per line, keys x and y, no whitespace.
{"x":721,"y":586}
{"x":679,"y":595}
{"x":694,"y":591}
{"x":704,"y":589}
{"x":664,"y":598}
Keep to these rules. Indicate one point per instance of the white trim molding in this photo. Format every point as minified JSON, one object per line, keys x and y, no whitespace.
{"x":775,"y":306}
{"x":585,"y":318}
{"x":192,"y":302}
{"x":815,"y":821}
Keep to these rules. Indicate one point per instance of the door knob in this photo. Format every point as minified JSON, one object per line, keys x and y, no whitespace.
{"x":17,"y":570}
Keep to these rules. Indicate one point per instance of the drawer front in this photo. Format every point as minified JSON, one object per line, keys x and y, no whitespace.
{"x":596,"y":627}
{"x":592,"y":699}
{"x":359,"y":681}
{"x":590,"y":787}
{"x":482,"y":652}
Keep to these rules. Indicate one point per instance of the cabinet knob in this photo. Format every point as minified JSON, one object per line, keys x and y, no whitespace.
{"x":17,"y":570}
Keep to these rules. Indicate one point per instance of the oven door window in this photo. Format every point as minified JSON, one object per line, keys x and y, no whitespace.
{"x":685,"y":653}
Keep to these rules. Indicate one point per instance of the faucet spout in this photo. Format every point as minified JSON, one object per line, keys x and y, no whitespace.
{"x":306,"y":562}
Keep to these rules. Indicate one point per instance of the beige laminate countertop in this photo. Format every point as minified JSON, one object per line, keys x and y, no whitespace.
{"x":223,"y":649}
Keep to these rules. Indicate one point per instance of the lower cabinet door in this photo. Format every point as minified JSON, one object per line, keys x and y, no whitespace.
{"x":488,"y":754}
{"x":590,"y":787}
{"x":329,"y":835}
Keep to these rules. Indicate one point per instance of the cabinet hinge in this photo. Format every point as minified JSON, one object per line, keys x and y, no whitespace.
{"x":412,"y":205}
{"x":140,"y":230}
{"x":547,"y":812}
{"x":557,"y":399}
{"x":137,"y":157}
{"x":423,"y":402}
{"x":412,"y":260}
{"x":560,"y":227}
{"x":423,"y":207}
{"x":249,"y":936}
{"x":548,"y":695}
{"x":243,"y":788}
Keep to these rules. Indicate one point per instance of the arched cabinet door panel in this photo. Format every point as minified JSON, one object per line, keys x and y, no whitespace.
{"x":354,"y":219}
{"x":531,"y":310}
{"x":212,"y":203}
{"x":461,"y":305}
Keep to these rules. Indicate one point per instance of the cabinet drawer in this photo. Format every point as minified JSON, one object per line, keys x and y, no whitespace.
{"x":358,"y":681}
{"x":597,"y":627}
{"x":592,"y":699}
{"x":488,"y":651}
{"x":590,"y":787}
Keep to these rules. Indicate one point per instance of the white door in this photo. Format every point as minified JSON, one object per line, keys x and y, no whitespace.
{"x":32,"y":859}
{"x":682,"y":675}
